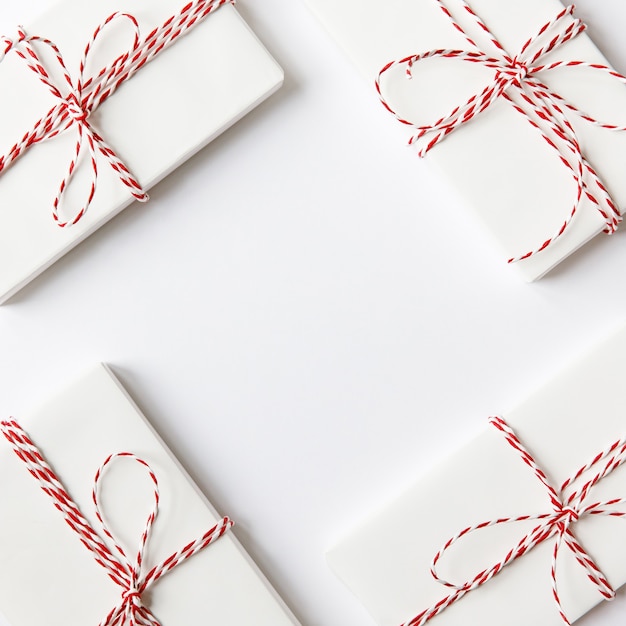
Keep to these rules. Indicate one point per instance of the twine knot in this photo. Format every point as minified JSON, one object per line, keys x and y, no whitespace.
{"x":132,"y":608}
{"x":75,"y":110}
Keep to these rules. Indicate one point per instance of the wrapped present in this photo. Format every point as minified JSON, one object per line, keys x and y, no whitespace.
{"x":103,"y":100}
{"x":524,"y":525}
{"x":511,"y":101}
{"x":101,"y":525}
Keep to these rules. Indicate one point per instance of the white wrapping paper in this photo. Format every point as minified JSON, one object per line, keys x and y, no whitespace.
{"x":386,"y":562}
{"x":47,"y":577}
{"x":170,"y":109}
{"x":500,"y":165}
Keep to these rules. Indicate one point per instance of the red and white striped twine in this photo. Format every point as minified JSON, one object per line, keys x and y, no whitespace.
{"x":124,"y":571}
{"x":568,"y":506}
{"x":517,"y":81}
{"x":78,"y":98}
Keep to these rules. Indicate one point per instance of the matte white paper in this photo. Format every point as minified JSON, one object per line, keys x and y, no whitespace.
{"x":386,"y":562}
{"x":170,"y":109}
{"x":47,"y":577}
{"x":499,"y":164}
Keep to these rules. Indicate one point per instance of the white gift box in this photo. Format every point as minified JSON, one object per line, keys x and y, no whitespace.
{"x":386,"y":562}
{"x":173,"y":106}
{"x":499,"y":164}
{"x":48,"y":577}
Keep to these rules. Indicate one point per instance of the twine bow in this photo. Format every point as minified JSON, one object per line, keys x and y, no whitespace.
{"x":125,"y":572}
{"x":569,"y":505}
{"x":78,"y":98}
{"x":517,"y":80}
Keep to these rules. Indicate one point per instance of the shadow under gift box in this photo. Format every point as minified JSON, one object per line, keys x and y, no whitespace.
{"x":48,"y":577}
{"x":173,"y":106}
{"x":499,"y":164}
{"x":386,"y":562}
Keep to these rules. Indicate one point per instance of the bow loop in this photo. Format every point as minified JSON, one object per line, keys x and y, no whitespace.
{"x":546,"y":525}
{"x":132,"y":567}
{"x":517,"y":72}
{"x":569,"y":516}
{"x":104,"y":79}
{"x":435,"y":132}
{"x":131,"y":605}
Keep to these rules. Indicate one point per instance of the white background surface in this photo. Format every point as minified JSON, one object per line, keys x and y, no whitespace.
{"x":307,"y":316}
